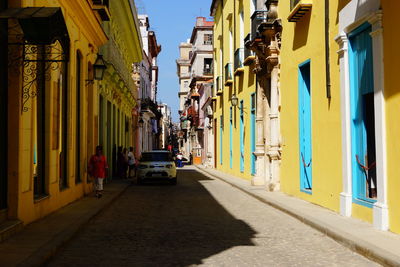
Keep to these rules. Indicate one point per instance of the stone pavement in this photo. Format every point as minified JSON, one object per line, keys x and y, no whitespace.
{"x":361,"y":237}
{"x":38,"y":241}
{"x":201,"y":221}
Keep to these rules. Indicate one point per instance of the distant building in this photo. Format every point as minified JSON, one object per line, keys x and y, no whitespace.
{"x":148,"y":69}
{"x":195,"y":68}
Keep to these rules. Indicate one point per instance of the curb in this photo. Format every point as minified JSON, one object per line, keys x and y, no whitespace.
{"x":369,"y":250}
{"x":43,"y":254}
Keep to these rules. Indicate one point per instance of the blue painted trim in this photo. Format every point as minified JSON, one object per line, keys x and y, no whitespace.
{"x":253,"y":133}
{"x":241,"y":137}
{"x":305,"y":126}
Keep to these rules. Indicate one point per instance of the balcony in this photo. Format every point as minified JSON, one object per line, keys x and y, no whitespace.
{"x":228,"y":74}
{"x":239,"y":59}
{"x":299,"y":8}
{"x":193,"y":116}
{"x":102,"y":8}
{"x":208,"y":71}
{"x":249,"y":55}
{"x":218,"y":82}
{"x":258,"y":17}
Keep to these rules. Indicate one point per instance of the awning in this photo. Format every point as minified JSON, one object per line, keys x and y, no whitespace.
{"x":40,"y":25}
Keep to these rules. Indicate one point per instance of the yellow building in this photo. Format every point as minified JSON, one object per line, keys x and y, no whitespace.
{"x":338,"y":96}
{"x":234,"y":89}
{"x":50,"y":102}
{"x":391,"y":38}
{"x":310,"y":103}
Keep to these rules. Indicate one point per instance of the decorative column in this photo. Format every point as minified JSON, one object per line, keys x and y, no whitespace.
{"x":259,"y":177}
{"x":346,"y":195}
{"x":274,"y":150}
{"x":380,"y":209}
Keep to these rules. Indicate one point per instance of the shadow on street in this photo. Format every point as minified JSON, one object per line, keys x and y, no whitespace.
{"x":158,"y":225}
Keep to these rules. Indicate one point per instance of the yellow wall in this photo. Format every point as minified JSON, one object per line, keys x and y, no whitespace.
{"x":392,"y":94}
{"x":243,"y":86}
{"x":86,"y":35}
{"x":304,"y":41}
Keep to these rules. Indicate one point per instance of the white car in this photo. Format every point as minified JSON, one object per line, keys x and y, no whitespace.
{"x":156,"y":165}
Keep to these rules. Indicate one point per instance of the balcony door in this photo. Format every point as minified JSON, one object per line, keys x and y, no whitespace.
{"x":362,"y":116}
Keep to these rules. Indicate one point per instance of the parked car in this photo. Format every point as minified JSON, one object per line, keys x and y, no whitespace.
{"x":156,"y":165}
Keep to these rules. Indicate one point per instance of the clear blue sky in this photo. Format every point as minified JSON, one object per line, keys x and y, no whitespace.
{"x":172,"y":21}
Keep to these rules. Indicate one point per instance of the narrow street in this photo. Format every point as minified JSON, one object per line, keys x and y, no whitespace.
{"x":201,"y":221}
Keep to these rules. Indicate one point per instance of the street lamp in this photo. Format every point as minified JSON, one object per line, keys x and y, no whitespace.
{"x":99,"y":68}
{"x":234,"y":100}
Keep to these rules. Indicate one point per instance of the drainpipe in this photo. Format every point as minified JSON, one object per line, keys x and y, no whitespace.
{"x":327,"y":49}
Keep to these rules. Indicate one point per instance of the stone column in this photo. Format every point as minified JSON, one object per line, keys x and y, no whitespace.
{"x":346,"y":195}
{"x":274,"y":144}
{"x":258,"y":178}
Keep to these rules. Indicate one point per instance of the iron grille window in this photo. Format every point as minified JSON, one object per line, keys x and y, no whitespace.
{"x":208,"y":39}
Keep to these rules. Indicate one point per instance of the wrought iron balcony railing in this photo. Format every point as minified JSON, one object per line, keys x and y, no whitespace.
{"x":239,"y":59}
{"x":258,"y":17}
{"x":228,"y":74}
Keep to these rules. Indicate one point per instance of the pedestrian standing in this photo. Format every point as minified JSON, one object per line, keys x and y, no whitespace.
{"x":131,"y":163}
{"x":179,"y":158}
{"x":98,"y":169}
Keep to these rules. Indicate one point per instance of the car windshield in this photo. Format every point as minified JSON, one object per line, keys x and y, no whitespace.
{"x":154,"y":156}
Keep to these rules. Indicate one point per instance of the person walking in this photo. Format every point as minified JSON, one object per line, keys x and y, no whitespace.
{"x":98,"y":169}
{"x":131,"y":163}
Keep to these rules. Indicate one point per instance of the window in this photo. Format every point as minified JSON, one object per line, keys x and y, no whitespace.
{"x":208,"y":39}
{"x":208,"y":70}
{"x":63,"y":181}
{"x":78,"y":118}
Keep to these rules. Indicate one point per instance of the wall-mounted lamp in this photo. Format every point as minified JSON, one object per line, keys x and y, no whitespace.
{"x":99,"y":68}
{"x":234,"y":100}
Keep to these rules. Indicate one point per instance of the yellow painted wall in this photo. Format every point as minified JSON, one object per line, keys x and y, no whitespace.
{"x":22,"y":203}
{"x":304,"y":41}
{"x":392,"y":94}
{"x":243,"y":86}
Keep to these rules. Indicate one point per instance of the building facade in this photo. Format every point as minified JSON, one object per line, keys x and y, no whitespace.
{"x":49,"y":104}
{"x":149,"y":114}
{"x":235,"y":90}
{"x":195,"y":67}
{"x":118,"y":91}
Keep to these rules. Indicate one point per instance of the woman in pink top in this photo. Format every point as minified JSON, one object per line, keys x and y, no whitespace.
{"x":98,"y":169}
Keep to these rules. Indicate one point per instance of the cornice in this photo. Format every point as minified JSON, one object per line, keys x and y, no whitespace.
{"x":81,"y":12}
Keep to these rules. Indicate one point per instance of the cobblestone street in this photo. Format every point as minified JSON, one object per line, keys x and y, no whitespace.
{"x":200,"y":221}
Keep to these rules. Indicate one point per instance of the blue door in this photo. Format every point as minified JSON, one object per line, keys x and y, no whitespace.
{"x":253,"y":134}
{"x":362,"y":116}
{"x":305,"y":128}
{"x":241,"y":137}
{"x":230,"y":139}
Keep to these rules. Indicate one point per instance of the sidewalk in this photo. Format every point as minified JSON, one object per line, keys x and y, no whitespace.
{"x":361,"y":237}
{"x":40,"y":240}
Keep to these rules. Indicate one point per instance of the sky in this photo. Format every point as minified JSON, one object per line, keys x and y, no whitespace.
{"x":173,"y":22}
